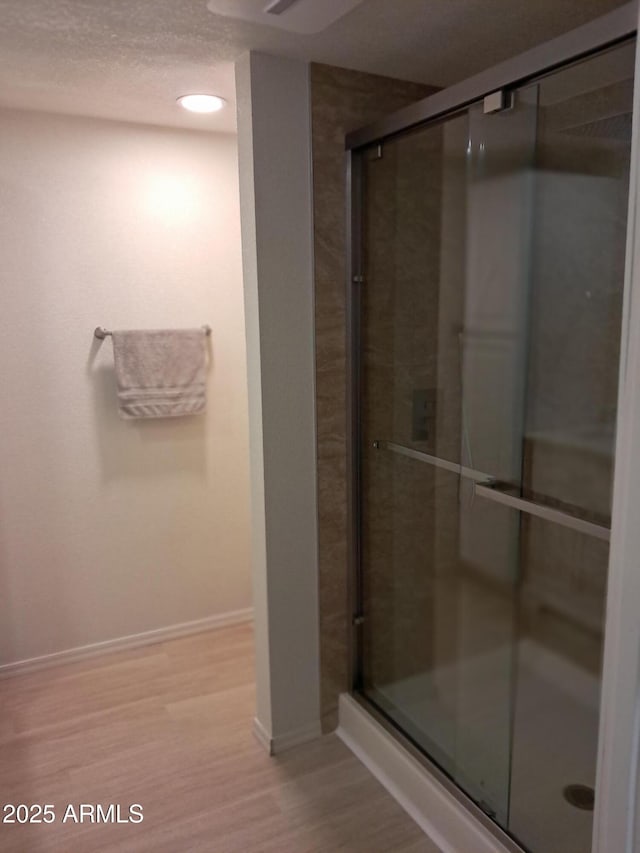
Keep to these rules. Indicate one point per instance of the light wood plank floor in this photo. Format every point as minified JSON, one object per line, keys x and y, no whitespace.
{"x":169,"y":727}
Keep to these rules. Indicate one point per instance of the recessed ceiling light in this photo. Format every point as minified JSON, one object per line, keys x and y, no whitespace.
{"x":201,"y":103}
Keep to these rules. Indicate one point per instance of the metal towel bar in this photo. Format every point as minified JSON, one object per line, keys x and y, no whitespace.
{"x":491,"y":492}
{"x":487,"y":487}
{"x":454,"y":467}
{"x":101,"y":333}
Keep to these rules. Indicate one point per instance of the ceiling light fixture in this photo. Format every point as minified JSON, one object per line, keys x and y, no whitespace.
{"x":201,"y":103}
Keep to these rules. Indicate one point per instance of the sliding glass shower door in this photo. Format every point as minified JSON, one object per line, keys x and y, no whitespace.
{"x":493,"y":249}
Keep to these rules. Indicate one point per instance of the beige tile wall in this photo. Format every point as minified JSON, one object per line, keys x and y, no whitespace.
{"x":342,"y":100}
{"x":401,"y":254}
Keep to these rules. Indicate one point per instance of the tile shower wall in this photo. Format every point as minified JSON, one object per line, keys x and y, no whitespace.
{"x":400,"y":319}
{"x":342,"y":100}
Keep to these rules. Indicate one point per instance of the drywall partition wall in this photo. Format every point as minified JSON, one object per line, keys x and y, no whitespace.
{"x":256,"y":451}
{"x":617,"y":808}
{"x":108,"y":527}
{"x":342,"y":101}
{"x":277,"y":245}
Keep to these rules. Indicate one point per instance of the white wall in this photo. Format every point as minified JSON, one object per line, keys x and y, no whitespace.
{"x":277,"y":244}
{"x":112,"y":527}
{"x":617,"y":808}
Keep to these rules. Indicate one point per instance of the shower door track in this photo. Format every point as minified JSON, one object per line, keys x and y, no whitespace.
{"x":577,"y":44}
{"x":604,"y":32}
{"x":459,"y":795}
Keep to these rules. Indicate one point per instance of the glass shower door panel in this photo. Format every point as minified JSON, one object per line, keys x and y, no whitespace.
{"x":437,"y":636}
{"x":579,"y":212}
{"x":493,"y":259}
{"x":405,"y":407}
{"x":437,"y":650}
{"x":493,"y":349}
{"x":409,"y":600}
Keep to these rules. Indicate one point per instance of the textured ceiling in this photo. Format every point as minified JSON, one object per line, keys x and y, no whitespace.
{"x":130,"y":59}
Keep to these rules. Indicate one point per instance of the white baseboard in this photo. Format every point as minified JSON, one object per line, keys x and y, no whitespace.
{"x":262,"y":735}
{"x":436,"y":811}
{"x":281,"y":743}
{"x":133,"y":641}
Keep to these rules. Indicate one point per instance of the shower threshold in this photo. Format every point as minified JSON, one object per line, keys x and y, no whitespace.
{"x":417,"y":771}
{"x":450,"y":819}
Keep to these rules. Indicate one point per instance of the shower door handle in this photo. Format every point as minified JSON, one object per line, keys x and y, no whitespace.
{"x":492,"y":492}
{"x":435,"y":461}
{"x":487,"y":487}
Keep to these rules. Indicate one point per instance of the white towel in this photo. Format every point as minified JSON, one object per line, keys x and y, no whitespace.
{"x":160,"y":372}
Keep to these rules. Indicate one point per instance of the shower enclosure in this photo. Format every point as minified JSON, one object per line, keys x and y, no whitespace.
{"x":488,"y":250}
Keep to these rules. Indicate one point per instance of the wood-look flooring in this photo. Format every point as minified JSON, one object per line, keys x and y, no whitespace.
{"x":169,"y":727}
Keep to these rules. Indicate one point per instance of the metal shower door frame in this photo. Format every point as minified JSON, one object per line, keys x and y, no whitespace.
{"x":619,"y":723}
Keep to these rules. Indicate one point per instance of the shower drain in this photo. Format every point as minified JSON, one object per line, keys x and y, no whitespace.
{"x":580,"y":796}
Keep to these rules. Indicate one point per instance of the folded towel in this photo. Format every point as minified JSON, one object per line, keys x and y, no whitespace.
{"x":160,"y":373}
